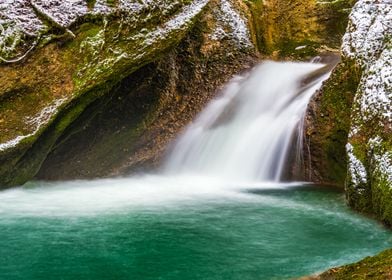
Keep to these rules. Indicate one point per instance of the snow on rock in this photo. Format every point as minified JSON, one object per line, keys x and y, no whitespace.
{"x":36,"y":123}
{"x":151,"y":26}
{"x":230,"y":24}
{"x":370,"y":22}
{"x":356,"y":169}
{"x":17,"y":22}
{"x":22,"y":22}
{"x":368,"y":41}
{"x":383,"y":164}
{"x":149,"y":38}
{"x":380,"y":159}
{"x":180,"y":21}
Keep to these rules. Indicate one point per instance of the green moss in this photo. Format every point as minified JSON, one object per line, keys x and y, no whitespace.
{"x":281,"y":26}
{"x":330,"y":119}
{"x":91,"y":3}
{"x":307,"y":49}
{"x":81,"y":70}
{"x":371,"y":268}
{"x":381,"y":199}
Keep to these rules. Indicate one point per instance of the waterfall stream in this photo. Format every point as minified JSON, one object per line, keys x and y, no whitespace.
{"x":246,"y":133}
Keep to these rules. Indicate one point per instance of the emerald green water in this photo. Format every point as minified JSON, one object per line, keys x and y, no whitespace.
{"x":169,"y":228}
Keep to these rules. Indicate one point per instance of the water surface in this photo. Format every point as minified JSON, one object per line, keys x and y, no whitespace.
{"x":157,"y":227}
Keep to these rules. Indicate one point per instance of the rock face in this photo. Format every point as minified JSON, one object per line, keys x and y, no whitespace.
{"x":301,"y":28}
{"x":354,"y":109}
{"x":369,"y":149}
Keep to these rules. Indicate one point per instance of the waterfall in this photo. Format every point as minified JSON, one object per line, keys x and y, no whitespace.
{"x":246,"y":134}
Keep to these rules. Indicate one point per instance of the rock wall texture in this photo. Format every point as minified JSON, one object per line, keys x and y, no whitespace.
{"x":64,"y":75}
{"x":354,"y":110}
{"x":301,"y":28}
{"x":369,"y":149}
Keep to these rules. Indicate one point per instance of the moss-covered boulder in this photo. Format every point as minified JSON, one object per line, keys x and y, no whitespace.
{"x":327,"y":126}
{"x":64,"y":75}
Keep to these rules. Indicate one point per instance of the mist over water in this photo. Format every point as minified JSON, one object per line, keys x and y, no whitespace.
{"x":216,"y":211}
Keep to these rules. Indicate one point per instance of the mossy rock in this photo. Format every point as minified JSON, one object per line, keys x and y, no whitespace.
{"x":371,"y":268}
{"x":327,"y":126}
{"x":43,"y":94}
{"x":299,"y":29}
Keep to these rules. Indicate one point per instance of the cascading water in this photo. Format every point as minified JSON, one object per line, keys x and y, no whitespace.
{"x":246,"y":133}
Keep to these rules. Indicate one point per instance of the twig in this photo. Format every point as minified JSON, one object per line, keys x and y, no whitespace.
{"x":23,"y":56}
{"x":51,"y":19}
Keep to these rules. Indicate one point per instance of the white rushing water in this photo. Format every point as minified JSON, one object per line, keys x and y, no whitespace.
{"x":246,"y":134}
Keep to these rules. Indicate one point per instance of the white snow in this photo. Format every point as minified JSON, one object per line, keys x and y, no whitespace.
{"x":381,"y":159}
{"x":368,"y":41}
{"x":36,"y":123}
{"x":355,"y":167}
{"x":370,"y":22}
{"x":230,"y":24}
{"x":19,"y":21}
{"x":180,"y":21}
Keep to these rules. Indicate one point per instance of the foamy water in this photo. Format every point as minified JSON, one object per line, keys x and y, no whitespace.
{"x":122,"y":194}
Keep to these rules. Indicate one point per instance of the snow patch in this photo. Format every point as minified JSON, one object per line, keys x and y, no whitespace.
{"x":36,"y":122}
{"x":235,"y":25}
{"x":20,"y":25}
{"x":179,"y":22}
{"x":356,"y":169}
{"x":381,"y":159}
{"x":368,"y":40}
{"x":369,"y":23}
{"x":384,"y":166}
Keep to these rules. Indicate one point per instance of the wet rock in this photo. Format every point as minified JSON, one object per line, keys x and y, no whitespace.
{"x":357,"y":101}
